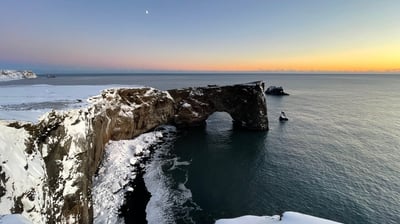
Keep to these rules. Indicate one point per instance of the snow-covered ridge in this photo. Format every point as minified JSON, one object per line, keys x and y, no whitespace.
{"x":7,"y":75}
{"x":57,"y":157}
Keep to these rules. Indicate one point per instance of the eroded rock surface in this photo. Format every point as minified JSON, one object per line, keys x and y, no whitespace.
{"x":244,"y":102}
{"x":276,"y":91}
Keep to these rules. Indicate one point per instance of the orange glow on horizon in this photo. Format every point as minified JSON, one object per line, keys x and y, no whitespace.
{"x":382,"y":59}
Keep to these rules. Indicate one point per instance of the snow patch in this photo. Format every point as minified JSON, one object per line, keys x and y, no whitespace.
{"x":117,"y":169}
{"x":186,"y":105}
{"x":287,"y":218}
{"x":196,"y":92}
{"x":251,"y":219}
{"x":24,"y":174}
{"x":8,"y":75}
{"x":28,"y":103}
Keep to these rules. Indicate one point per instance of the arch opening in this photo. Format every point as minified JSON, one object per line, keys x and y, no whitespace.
{"x":219,"y":121}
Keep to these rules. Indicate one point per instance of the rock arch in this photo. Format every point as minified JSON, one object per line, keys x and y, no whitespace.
{"x":72,"y":143}
{"x":244,"y":102}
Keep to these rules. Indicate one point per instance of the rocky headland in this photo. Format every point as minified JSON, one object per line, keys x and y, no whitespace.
{"x":47,"y":168}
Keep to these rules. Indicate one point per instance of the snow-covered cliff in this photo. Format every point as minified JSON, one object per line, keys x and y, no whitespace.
{"x":7,"y":75}
{"x":47,"y":169}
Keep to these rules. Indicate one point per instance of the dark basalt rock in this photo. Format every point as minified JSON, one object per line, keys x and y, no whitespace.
{"x":276,"y":91}
{"x":244,"y":102}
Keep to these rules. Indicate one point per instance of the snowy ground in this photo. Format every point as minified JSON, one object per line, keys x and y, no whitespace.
{"x":28,"y":103}
{"x":24,"y":174}
{"x":117,"y":169}
{"x":7,"y":75}
{"x":287,"y":218}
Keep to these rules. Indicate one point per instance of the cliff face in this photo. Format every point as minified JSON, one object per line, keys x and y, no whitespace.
{"x":73,"y":144}
{"x":70,"y":144}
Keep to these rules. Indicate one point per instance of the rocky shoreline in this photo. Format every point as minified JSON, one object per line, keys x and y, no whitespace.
{"x":134,"y":208}
{"x":68,"y":146}
{"x":135,"y":202}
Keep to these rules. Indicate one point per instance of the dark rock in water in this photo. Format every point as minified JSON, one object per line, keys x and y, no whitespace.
{"x":276,"y":91}
{"x":283,"y":117}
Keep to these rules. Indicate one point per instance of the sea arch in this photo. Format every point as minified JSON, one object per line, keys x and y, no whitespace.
{"x":245,"y":103}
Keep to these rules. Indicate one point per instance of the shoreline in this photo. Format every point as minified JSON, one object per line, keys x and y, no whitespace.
{"x":135,"y":202}
{"x":133,"y":209}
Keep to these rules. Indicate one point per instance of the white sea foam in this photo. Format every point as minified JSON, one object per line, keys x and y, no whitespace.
{"x":176,"y":163}
{"x":158,"y":209}
{"x":167,"y":197}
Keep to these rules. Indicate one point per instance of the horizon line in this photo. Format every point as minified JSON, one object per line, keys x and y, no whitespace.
{"x":47,"y":71}
{"x":397,"y":72}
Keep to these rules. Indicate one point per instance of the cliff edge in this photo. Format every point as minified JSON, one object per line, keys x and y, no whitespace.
{"x":57,"y":158}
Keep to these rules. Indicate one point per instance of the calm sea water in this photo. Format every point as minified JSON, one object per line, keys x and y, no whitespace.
{"x":338,"y":156}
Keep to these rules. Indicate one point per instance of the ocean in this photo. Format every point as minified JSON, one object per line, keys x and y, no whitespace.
{"x":338,"y":156}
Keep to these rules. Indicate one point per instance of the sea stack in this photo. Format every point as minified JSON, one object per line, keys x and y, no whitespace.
{"x":276,"y":91}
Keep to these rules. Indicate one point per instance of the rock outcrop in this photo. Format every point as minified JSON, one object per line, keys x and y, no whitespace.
{"x":276,"y":91}
{"x":244,"y":102}
{"x":6,"y":75}
{"x":71,"y":143}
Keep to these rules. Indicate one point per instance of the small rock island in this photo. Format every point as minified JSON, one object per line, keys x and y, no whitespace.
{"x":276,"y":91}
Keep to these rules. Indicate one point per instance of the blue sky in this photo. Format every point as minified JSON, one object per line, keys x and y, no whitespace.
{"x":264,"y":35}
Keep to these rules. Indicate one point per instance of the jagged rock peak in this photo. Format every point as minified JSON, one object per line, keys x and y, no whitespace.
{"x":244,"y":102}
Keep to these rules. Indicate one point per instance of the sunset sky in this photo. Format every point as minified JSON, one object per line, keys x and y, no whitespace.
{"x":200,"y":35}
